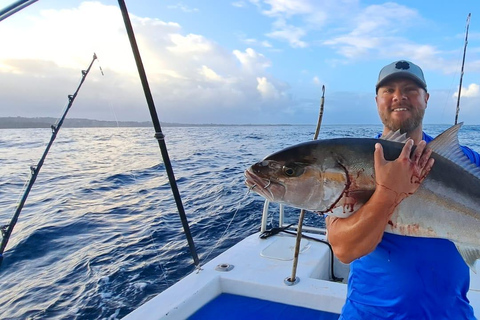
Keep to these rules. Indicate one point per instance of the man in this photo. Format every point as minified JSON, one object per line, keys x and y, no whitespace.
{"x":393,"y":276}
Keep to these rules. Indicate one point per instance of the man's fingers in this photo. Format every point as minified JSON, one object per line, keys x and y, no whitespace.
{"x":424,"y":158}
{"x":378,"y":156}
{"x":403,"y":175}
{"x":407,"y":149}
{"x":427,"y":168}
{"x":419,"y":151}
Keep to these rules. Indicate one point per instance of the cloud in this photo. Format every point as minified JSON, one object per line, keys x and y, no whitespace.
{"x":377,"y":28}
{"x":442,"y":107}
{"x":183,"y":7}
{"x":239,"y":4}
{"x":192,"y":78}
{"x":255,"y":42}
{"x":190,"y":43}
{"x":287,"y":8}
{"x":284,"y":10}
{"x":289,"y":33}
{"x":365,"y":32}
{"x":267,"y":90}
{"x":472,"y":91}
{"x":296,"y":20}
{"x":379,"y":31}
{"x":195,"y":79}
{"x":209,"y":74}
{"x":252,"y":61}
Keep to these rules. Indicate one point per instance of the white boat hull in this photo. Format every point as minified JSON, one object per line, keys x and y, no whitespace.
{"x":260,"y":268}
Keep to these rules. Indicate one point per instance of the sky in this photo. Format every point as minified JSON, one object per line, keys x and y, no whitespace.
{"x":236,"y":62}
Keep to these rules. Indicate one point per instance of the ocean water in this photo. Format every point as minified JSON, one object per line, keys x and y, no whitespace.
{"x":100,"y":234}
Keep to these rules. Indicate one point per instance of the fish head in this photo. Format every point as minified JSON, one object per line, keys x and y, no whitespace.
{"x":299,"y":178}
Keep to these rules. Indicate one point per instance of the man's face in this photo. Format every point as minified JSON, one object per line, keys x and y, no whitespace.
{"x":401,"y":104}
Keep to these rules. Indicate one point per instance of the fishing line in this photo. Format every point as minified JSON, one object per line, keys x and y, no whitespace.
{"x":114,"y":114}
{"x":110,"y":95}
{"x":100,"y":67}
{"x":156,"y":247}
{"x":164,"y":272}
{"x":459,"y":90}
{"x":452,"y":90}
{"x":109,"y":100}
{"x":226,"y":229}
{"x":3,"y":228}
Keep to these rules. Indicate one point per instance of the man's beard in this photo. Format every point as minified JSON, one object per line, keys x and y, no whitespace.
{"x":407,"y":125}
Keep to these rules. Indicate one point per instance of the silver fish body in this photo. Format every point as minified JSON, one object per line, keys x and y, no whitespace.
{"x":337,"y":177}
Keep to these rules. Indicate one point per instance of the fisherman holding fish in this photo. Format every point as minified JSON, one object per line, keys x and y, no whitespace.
{"x":404,"y":214}
{"x":395,"y":276}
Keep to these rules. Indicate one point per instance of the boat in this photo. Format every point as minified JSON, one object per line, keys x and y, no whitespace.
{"x":263,"y":276}
{"x":252,"y":280}
{"x":257,"y":278}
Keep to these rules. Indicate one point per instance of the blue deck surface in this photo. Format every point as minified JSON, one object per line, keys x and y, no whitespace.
{"x":229,"y":306}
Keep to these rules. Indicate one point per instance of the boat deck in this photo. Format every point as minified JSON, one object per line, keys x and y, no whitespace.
{"x":259,"y":268}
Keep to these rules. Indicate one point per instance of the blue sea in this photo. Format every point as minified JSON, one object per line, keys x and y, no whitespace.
{"x":100,"y":233}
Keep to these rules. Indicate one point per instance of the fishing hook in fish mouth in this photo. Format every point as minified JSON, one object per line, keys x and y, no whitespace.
{"x":268,"y":184}
{"x":251,"y":188}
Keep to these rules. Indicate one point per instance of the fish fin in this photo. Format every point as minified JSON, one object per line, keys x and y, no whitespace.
{"x":469,"y":255}
{"x":395,"y":136}
{"x":446,"y":145}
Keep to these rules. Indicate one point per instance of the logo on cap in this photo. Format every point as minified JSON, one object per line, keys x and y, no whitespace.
{"x":404,"y":65}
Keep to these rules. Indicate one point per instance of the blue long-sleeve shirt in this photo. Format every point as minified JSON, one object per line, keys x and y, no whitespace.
{"x":410,"y":278}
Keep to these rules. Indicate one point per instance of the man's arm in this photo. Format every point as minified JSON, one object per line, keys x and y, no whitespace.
{"x":360,"y":233}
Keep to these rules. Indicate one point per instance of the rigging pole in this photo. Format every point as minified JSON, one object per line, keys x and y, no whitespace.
{"x":7,"y":229}
{"x":461,"y":74}
{"x":158,"y":130}
{"x":14,"y":7}
{"x":320,"y":115}
{"x":293,"y":279}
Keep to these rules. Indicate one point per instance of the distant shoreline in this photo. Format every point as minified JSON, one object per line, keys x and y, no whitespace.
{"x":47,"y":122}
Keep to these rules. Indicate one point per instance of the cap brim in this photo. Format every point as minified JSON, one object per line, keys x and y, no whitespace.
{"x":401,"y":74}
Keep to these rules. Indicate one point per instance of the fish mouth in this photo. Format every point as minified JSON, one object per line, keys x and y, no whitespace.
{"x":258,"y":184}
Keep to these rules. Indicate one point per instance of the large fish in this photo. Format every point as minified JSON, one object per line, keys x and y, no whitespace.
{"x":337,"y":177}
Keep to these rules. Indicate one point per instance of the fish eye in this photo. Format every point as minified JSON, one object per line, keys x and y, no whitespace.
{"x":292,"y":171}
{"x":288,"y":171}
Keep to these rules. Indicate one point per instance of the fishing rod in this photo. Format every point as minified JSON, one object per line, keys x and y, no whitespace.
{"x":158,"y":130}
{"x":461,"y":74}
{"x":15,"y":7}
{"x":6,"y":230}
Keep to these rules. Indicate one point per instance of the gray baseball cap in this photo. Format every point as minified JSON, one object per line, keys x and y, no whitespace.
{"x":402,"y":68}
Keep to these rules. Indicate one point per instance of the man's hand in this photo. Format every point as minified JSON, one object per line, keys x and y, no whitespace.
{"x":359,"y":234}
{"x":403,"y":175}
